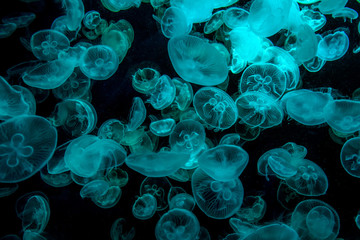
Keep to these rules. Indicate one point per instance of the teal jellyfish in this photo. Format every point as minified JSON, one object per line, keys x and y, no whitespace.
{"x":296,"y":151}
{"x":277,"y":231}
{"x":117,"y":177}
{"x":7,"y":29}
{"x":158,"y":187}
{"x":137,"y":114}
{"x":183,"y":201}
{"x":46,"y":44}
{"x":99,"y":62}
{"x":144,"y":207}
{"x":91,"y":19}
{"x":109,"y":199}
{"x":217,"y":199}
{"x":60,"y":25}
{"x":215,"y":107}
{"x":116,"y":6}
{"x":184,"y":94}
{"x":56,"y":180}
{"x":197,"y":61}
{"x":214,"y":23}
{"x":333,"y":46}
{"x":74,"y":13}
{"x":345,"y":13}
{"x":252,"y":210}
{"x":174,"y":23}
{"x":196,"y":12}
{"x":26,"y":144}
{"x":94,"y":188}
{"x":21,"y":19}
{"x":350,"y":156}
{"x":330,"y":6}
{"x":120,"y":230}
{"x":315,"y":220}
{"x":313,"y":18}
{"x":177,"y":224}
{"x":163,"y":93}
{"x":224,"y":162}
{"x":163,"y":127}
{"x":145,"y":79}
{"x":235,"y":17}
{"x":357,"y":220}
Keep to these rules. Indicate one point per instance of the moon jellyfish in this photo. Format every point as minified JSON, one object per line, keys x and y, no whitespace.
{"x":296,"y":151}
{"x":224,"y":162}
{"x":144,"y":207}
{"x":26,"y":144}
{"x":77,"y":117}
{"x":117,"y":177}
{"x":7,"y":29}
{"x":343,"y":115}
{"x":8,"y":189}
{"x":109,"y":199}
{"x":188,"y":136}
{"x":163,"y":127}
{"x":91,"y":19}
{"x":263,"y":77}
{"x":46,"y":44}
{"x":163,"y":93}
{"x":59,"y":24}
{"x":309,"y":180}
{"x":252,"y":210}
{"x":159,"y":188}
{"x":215,"y":107}
{"x":137,"y":114}
{"x":196,"y":11}
{"x":145,"y":79}
{"x":120,"y":230}
{"x":214,"y":23}
{"x":56,"y":180}
{"x":94,"y":188}
{"x":357,"y":220}
{"x":117,"y":40}
{"x":305,"y":106}
{"x":217,"y":199}
{"x":34,"y":211}
{"x":197,"y":61}
{"x":277,"y":231}
{"x":88,"y":154}
{"x":118,"y":5}
{"x":158,"y":164}
{"x":183,"y":201}
{"x":235,"y":17}
{"x":330,"y":6}
{"x":315,"y":220}
{"x":177,"y":224}
{"x":314,"y":19}
{"x":21,"y":19}
{"x":345,"y":13}
{"x":258,"y":109}
{"x":350,"y":156}
{"x":74,"y":13}
{"x":99,"y":62}
{"x":174,"y":23}
{"x":184,"y":94}
{"x":333,"y":46}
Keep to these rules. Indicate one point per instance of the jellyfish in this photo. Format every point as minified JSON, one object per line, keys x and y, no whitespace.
{"x":99,"y":62}
{"x":350,"y":156}
{"x":91,"y":19}
{"x":26,"y":144}
{"x":313,"y":18}
{"x":116,"y":6}
{"x":120,"y":230}
{"x":56,"y":180}
{"x":184,"y":94}
{"x":117,"y":177}
{"x":196,"y":12}
{"x":163,"y":127}
{"x":177,"y":224}
{"x":183,"y":201}
{"x":137,"y":114}
{"x":277,"y":231}
{"x":163,"y":93}
{"x":159,"y":188}
{"x":7,"y":29}
{"x":235,"y":17}
{"x":252,"y":210}
{"x":333,"y":46}
{"x":21,"y":19}
{"x":345,"y":13}
{"x":330,"y":6}
{"x":174,"y":23}
{"x":144,"y":207}
{"x":217,"y":199}
{"x":60,"y":25}
{"x":117,"y":40}
{"x":74,"y":13}
{"x":109,"y":199}
{"x":46,"y":44}
{"x":224,"y":162}
{"x":145,"y":79}
{"x":296,"y":151}
{"x":94,"y":188}
{"x":214,"y":23}
{"x":197,"y":61}
{"x":215,"y":107}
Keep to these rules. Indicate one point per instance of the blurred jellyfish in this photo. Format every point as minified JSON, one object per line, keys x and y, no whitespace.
{"x":252,"y":210}
{"x":214,"y":23}
{"x":109,"y":199}
{"x":184,"y":94}
{"x":163,"y":127}
{"x":120,"y":230}
{"x":56,"y":180}
{"x":277,"y":231}
{"x":333,"y":46}
{"x":159,"y":188}
{"x":8,"y":189}
{"x":7,"y":29}
{"x":177,"y":224}
{"x":74,"y":10}
{"x":313,"y":18}
{"x":137,"y":114}
{"x":163,"y":93}
{"x":116,"y":6}
{"x":60,"y":25}
{"x":174,"y":23}
{"x":117,"y":177}
{"x":145,"y":79}
{"x":21,"y":19}
{"x":350,"y":156}
{"x":91,"y":19}
{"x":144,"y":207}
{"x":94,"y":188}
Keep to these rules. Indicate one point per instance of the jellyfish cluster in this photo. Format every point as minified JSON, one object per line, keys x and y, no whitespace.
{"x":180,"y":120}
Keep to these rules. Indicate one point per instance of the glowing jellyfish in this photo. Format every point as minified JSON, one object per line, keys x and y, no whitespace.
{"x":159,"y":188}
{"x":99,"y":62}
{"x":77,"y":117}
{"x":163,"y":127}
{"x":137,"y":114}
{"x":177,"y":224}
{"x":343,"y":115}
{"x":109,"y":199}
{"x":309,"y":180}
{"x":74,"y":10}
{"x":333,"y":46}
{"x":174,"y":23}
{"x":197,"y":61}
{"x":145,"y":79}
{"x":7,"y":29}
{"x":188,"y":136}
{"x":120,"y":229}
{"x":26,"y":144}
{"x":314,"y":19}
{"x":21,"y":19}
{"x":91,"y":19}
{"x":144,"y":207}
{"x":235,"y":17}
{"x":214,"y":22}
{"x":315,"y":219}
{"x":183,"y":201}
{"x":196,"y":12}
{"x":163,"y":93}
{"x":345,"y":13}
{"x":263,"y":77}
{"x":350,"y":156}
{"x":296,"y":151}
{"x":8,"y":189}
{"x":215,"y":107}
{"x":56,"y":180}
{"x":184,"y":94}
{"x":305,"y":106}
{"x":59,"y":24}
{"x":252,"y":210}
{"x":277,"y":231}
{"x":46,"y":44}
{"x":330,"y":6}
{"x":94,"y":188}
{"x":217,"y":199}
{"x":117,"y":40}
{"x":88,"y":154}
{"x":159,"y":164}
{"x":224,"y":162}
{"x":258,"y":109}
{"x":116,"y":6}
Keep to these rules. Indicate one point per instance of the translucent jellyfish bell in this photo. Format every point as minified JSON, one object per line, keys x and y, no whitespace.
{"x":174,"y":23}
{"x":21,"y":19}
{"x":197,"y":61}
{"x":163,"y":93}
{"x":159,"y":188}
{"x":333,"y":46}
{"x":74,"y":10}
{"x":137,"y":114}
{"x":350,"y":156}
{"x":277,"y":231}
{"x":215,"y":107}
{"x":26,"y":144}
{"x":7,"y":29}
{"x":224,"y":162}
{"x":217,"y":199}
{"x":144,"y":207}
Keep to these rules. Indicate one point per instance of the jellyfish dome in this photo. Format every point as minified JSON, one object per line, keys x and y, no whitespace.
{"x":197,"y":61}
{"x":350,"y":156}
{"x":333,"y":46}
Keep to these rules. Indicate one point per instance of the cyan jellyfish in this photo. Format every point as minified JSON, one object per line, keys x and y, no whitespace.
{"x":158,"y":187}
{"x":117,"y":40}
{"x":26,"y":144}
{"x":247,"y":132}
{"x":88,"y":154}
{"x":188,"y":136}
{"x":28,"y":97}
{"x":77,"y":117}
{"x":21,"y":19}
{"x":215,"y":107}
{"x":116,"y":6}
{"x":315,"y":220}
{"x":59,"y":24}
{"x":183,"y":201}
{"x":258,"y":109}
{"x":263,"y":77}
{"x":181,"y":175}
{"x":74,"y":10}
{"x":231,"y":139}
{"x":109,"y":199}
{"x":330,"y":6}
{"x":252,"y":210}
{"x":144,"y":207}
{"x":174,"y":23}
{"x":296,"y":151}
{"x":345,"y":13}
{"x":120,"y":230}
{"x":313,"y":18}
{"x":177,"y":224}
{"x":46,"y":44}
{"x":333,"y":46}
{"x":203,"y":234}
{"x":7,"y":29}
{"x":91,"y":19}
{"x":99,"y":62}
{"x":137,"y":114}
{"x":224,"y":162}
{"x":288,"y":197}
{"x":217,"y":199}
{"x":306,"y":106}
{"x":197,"y":61}
{"x":357,"y":220}
{"x":314,"y":65}
{"x":145,"y":79}
{"x":196,"y":11}
{"x":184,"y":94}
{"x":309,"y":180}
{"x":112,"y":129}
{"x":343,"y":115}
{"x":117,"y":177}
{"x":94,"y":188}
{"x":56,"y":180}
{"x":56,"y":163}
{"x":235,"y":17}
{"x":214,"y":23}
{"x":350,"y":156}
{"x":163,"y":93}
{"x":8,"y":189}
{"x":163,"y":127}
{"x":242,"y":228}
{"x":277,"y":231}
{"x":158,"y":164}
{"x":146,"y":143}
{"x":125,"y":27}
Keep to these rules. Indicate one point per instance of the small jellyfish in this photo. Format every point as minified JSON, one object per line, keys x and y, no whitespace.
{"x":174,"y":23}
{"x":158,"y":187}
{"x":183,"y":201}
{"x":214,"y":23}
{"x":235,"y":17}
{"x":163,"y":93}
{"x":333,"y":46}
{"x":60,"y":25}
{"x":94,"y":188}
{"x":21,"y":19}
{"x":350,"y":156}
{"x":144,"y":207}
{"x":120,"y":230}
{"x":7,"y":29}
{"x":109,"y":199}
{"x":56,"y":180}
{"x":252,"y":210}
{"x":177,"y":224}
{"x":91,"y":19}
{"x":163,"y":127}
{"x":145,"y":79}
{"x":74,"y":10}
{"x":277,"y":231}
{"x":137,"y":114}
{"x":116,"y":6}
{"x":117,"y":40}
{"x":184,"y":94}
{"x":313,"y":18}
